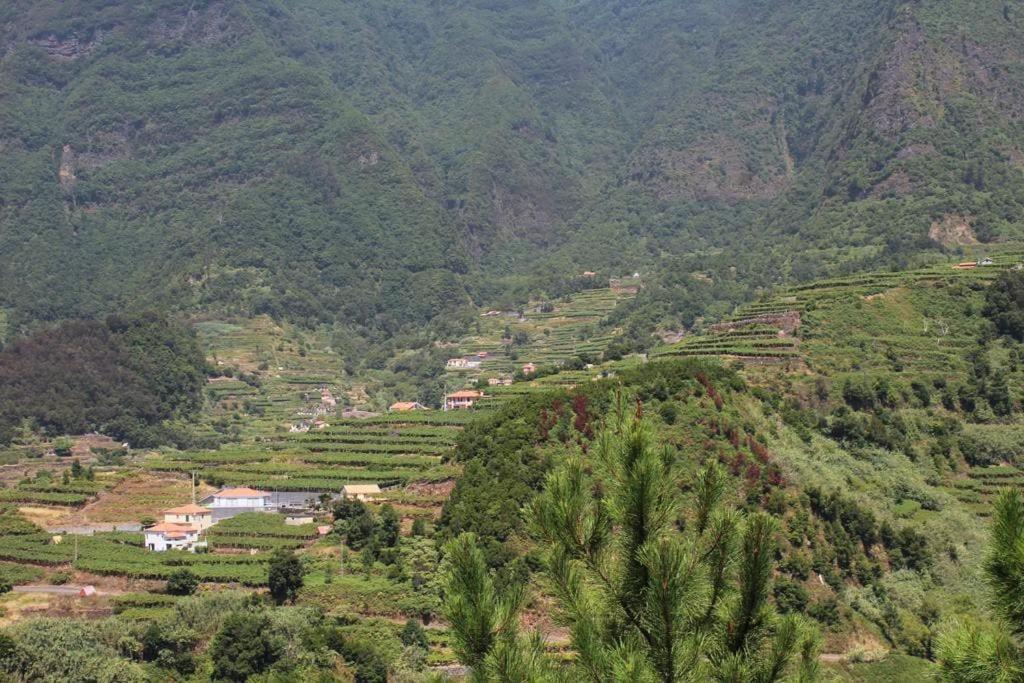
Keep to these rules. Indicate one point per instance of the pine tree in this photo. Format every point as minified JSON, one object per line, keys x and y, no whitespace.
{"x":970,"y":654}
{"x":649,"y":590}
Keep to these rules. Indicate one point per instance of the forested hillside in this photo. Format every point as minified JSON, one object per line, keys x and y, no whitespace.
{"x":322,"y":161}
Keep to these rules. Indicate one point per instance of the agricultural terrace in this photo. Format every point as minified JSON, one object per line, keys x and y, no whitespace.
{"x":909,"y":322}
{"x":122,"y":554}
{"x":277,"y":372}
{"x":391,"y":450}
{"x":547,"y":333}
{"x":899,"y":329}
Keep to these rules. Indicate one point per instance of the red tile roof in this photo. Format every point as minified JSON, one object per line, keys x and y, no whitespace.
{"x":466,"y":393}
{"x":170,"y":528}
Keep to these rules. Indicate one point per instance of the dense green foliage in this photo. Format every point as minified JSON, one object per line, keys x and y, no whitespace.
{"x":970,"y":653}
{"x":126,"y":377}
{"x":374,"y":162}
{"x":641,"y":601}
{"x":284,"y":576}
{"x":1004,"y":304}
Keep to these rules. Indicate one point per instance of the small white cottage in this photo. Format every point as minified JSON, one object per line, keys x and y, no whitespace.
{"x":167,"y":536}
{"x":241,"y":498}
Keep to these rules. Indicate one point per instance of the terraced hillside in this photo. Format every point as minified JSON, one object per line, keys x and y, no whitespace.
{"x":905,"y":321}
{"x":906,"y":343}
{"x":543,"y":333}
{"x":390,"y":450}
{"x":277,"y":372}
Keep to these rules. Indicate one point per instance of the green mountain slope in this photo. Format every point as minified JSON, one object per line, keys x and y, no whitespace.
{"x":875,"y":416}
{"x":320,"y":160}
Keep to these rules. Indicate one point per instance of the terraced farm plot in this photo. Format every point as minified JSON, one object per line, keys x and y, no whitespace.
{"x":110,"y":554}
{"x":143,"y":494}
{"x":389,"y":450}
{"x":261,"y":531}
{"x":905,"y":322}
{"x":978,"y":491}
{"x":291,"y":366}
{"x":40,"y":492}
{"x":571,"y":328}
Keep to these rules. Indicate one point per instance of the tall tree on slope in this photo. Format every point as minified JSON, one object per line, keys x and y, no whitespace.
{"x":650,"y":588}
{"x":968,"y":654}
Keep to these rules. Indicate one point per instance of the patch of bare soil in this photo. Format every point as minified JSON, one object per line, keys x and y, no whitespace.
{"x":432,"y":488}
{"x":140,"y":495}
{"x":953,"y":230}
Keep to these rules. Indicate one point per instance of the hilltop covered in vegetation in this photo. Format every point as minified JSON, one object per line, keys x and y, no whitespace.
{"x":126,"y":377}
{"x":379,"y":163}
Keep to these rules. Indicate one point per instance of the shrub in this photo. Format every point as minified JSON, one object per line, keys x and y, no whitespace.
{"x":59,"y":578}
{"x":182,"y":582}
{"x":413,"y":635}
{"x":826,"y":611}
{"x":285,"y":576}
{"x":790,"y":596}
{"x":62,"y":446}
{"x":244,"y":647}
{"x":983,"y":445}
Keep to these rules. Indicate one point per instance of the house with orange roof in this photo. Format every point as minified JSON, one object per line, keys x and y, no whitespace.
{"x":191,"y":514}
{"x":241,"y":497}
{"x":462,"y":399}
{"x":167,"y":536}
{"x":405,"y":406}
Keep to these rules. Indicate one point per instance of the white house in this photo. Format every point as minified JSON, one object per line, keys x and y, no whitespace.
{"x":461,"y":399}
{"x":457,"y":363}
{"x":166,"y":536}
{"x":191,"y":514}
{"x":241,"y":498}
{"x":360,"y":491}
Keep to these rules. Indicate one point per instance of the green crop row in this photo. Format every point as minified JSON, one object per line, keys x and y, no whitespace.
{"x":319,"y":444}
{"x":263,"y":524}
{"x":370,"y":459}
{"x":103,"y":556}
{"x":250,"y":542}
{"x":42,"y":498}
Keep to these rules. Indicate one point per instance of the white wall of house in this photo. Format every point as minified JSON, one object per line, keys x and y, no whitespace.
{"x":240,"y":502}
{"x":156,"y":541}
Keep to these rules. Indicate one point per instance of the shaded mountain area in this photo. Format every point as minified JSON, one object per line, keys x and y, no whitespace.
{"x":381,"y":163}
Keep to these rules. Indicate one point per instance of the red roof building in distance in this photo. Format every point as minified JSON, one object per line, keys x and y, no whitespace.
{"x":193,"y":514}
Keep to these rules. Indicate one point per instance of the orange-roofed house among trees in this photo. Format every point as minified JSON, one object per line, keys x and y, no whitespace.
{"x":462,"y":399}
